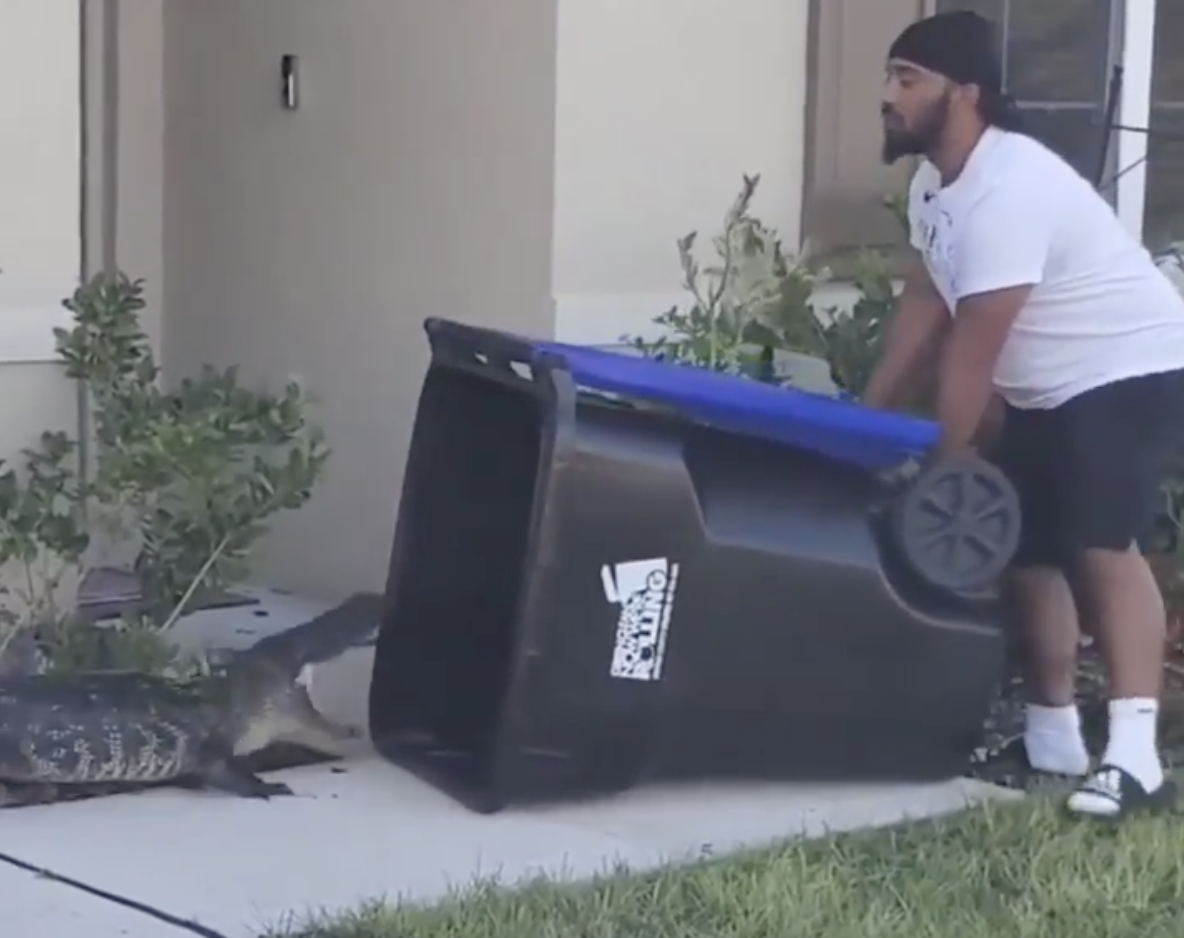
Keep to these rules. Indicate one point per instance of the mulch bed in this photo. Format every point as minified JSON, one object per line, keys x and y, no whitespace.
{"x":999,"y":759}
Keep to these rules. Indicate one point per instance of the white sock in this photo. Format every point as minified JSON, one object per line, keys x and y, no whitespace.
{"x":1132,"y":743}
{"x":1132,"y":748}
{"x":1053,"y":740}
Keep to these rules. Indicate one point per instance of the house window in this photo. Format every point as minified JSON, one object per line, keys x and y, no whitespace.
{"x":1057,"y":57}
{"x":1164,"y":207}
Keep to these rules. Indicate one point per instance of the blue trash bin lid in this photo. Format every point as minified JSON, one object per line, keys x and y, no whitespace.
{"x":840,"y":429}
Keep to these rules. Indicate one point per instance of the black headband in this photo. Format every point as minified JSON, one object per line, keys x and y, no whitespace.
{"x":960,"y":45}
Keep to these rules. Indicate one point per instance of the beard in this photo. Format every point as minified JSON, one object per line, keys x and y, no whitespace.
{"x":901,"y":141}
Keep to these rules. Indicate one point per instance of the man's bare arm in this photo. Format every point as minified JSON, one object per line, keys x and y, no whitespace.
{"x":965,"y":388}
{"x":911,"y":345}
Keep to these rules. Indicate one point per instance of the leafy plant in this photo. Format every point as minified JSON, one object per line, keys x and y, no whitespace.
{"x":753,"y":300}
{"x":854,"y":339}
{"x":897,"y":204}
{"x":196,"y":470}
{"x":184,"y":478}
{"x":133,"y":642}
{"x":758,"y":300}
{"x":42,"y":541}
{"x":1167,"y":554}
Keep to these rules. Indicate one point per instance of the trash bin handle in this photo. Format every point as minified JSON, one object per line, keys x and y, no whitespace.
{"x":491,"y":355}
{"x":488,"y":351}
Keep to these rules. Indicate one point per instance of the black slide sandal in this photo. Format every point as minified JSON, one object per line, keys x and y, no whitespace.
{"x":1008,"y":766}
{"x":1110,"y":784}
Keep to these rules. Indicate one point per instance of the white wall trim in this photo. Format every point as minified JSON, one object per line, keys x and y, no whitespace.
{"x":41,"y":249}
{"x":1134,"y":110}
{"x":26,"y":335}
{"x":601,"y":319}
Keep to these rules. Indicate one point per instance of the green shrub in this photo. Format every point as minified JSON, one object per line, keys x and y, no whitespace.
{"x":751,"y":301}
{"x":757,"y":301}
{"x":184,"y":479}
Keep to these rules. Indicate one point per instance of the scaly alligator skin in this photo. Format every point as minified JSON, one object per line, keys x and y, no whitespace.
{"x":114,"y":730}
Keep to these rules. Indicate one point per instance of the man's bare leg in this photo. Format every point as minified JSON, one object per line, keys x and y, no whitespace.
{"x":1131,"y":623}
{"x":1043,"y":602}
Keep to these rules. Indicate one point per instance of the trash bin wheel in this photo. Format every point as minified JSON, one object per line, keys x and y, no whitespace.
{"x":957,"y":524}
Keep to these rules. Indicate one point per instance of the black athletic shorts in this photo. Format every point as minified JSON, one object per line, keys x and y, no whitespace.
{"x":1088,"y":472}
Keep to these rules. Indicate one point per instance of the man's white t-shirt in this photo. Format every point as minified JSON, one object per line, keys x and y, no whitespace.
{"x":1100,"y":310}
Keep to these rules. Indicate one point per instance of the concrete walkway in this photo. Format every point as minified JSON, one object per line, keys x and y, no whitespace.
{"x":364,"y":830}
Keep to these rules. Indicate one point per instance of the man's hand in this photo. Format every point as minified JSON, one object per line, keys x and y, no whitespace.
{"x":981,"y":325}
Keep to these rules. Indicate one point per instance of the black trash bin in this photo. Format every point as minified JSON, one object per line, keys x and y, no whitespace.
{"x":609,"y":570}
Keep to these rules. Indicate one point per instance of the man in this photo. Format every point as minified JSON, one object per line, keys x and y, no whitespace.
{"x":1030,"y":289}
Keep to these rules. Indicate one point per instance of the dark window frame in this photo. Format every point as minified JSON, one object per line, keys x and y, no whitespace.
{"x":1163,"y":209}
{"x":1083,"y":143}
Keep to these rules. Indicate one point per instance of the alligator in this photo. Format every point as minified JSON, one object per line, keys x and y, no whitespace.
{"x":66,"y":734}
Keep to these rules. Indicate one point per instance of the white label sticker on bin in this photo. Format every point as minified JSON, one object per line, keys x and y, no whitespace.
{"x":644,"y":590}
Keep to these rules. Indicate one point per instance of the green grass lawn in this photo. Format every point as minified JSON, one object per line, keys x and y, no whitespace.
{"x":1015,"y":870}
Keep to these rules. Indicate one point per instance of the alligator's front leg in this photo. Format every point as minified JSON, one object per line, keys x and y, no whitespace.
{"x":229,"y":775}
{"x":24,"y":795}
{"x":311,"y":728}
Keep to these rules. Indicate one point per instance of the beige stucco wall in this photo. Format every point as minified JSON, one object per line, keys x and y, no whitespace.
{"x":40,"y":236}
{"x":39,"y":162}
{"x":415,"y":179}
{"x":40,"y":241}
{"x":44,"y":201}
{"x":662,"y":106}
{"x":139,"y":166}
{"x":437,"y":149}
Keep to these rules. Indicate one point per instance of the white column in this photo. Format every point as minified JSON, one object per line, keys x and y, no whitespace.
{"x":1134,"y":110}
{"x":40,"y":173}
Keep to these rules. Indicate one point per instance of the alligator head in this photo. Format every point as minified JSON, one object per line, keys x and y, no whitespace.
{"x":264,"y":688}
